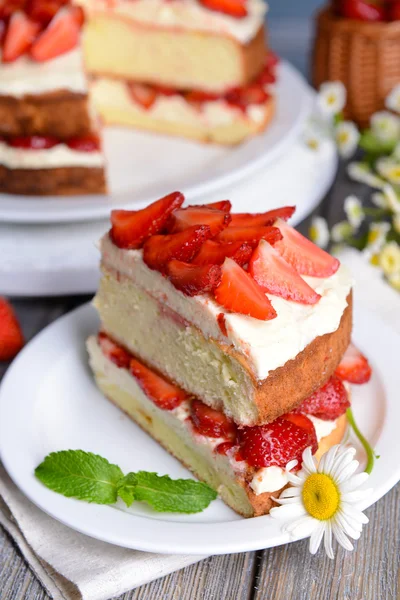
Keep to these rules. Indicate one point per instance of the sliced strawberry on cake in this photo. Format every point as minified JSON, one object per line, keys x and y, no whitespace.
{"x":11,"y":337}
{"x":354,"y":366}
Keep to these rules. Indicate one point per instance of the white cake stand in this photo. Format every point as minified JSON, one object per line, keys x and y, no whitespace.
{"x":58,"y":259}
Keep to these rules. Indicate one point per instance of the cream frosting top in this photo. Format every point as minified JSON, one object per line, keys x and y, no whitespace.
{"x":25,"y":76}
{"x":267,"y":345}
{"x":186,"y":14}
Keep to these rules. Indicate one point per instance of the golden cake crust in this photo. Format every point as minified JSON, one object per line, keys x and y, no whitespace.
{"x":62,"y":181}
{"x":59,"y":114}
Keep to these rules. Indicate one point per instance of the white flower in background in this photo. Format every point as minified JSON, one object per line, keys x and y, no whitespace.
{"x":389,"y":258}
{"x":312,"y":139}
{"x":347,"y":136}
{"x":331,"y":98}
{"x":362,"y":173}
{"x":396,"y":223}
{"x":354,"y":211}
{"x":341,"y":231}
{"x":389,"y":169}
{"x":394,"y":281}
{"x":377,"y":237}
{"x":379,"y":199}
{"x":385,"y":126}
{"x":392,"y":199}
{"x":323,"y":499}
{"x":319,"y":232}
{"x":392,"y":101}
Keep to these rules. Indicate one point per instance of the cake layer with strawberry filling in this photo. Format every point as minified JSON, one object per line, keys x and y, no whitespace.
{"x":226,"y":118}
{"x":238,"y":309}
{"x":208,"y":45}
{"x":245,"y":465}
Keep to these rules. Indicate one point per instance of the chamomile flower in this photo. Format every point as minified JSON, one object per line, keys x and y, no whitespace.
{"x":319,"y":232}
{"x":347,"y":137}
{"x":354,"y":211}
{"x":389,"y":258}
{"x":312,"y":139}
{"x":341,"y":231}
{"x":385,"y":126}
{"x":376,"y":237}
{"x":379,"y":199}
{"x":394,"y":281}
{"x":389,"y":169}
{"x":322,"y":500}
{"x":392,"y":199}
{"x":392,"y":101}
{"x":362,"y":173}
{"x":331,"y":98}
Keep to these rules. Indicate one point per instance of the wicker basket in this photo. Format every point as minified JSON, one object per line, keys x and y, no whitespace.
{"x":364,"y":56}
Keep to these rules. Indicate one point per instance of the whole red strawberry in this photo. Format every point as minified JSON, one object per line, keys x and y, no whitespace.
{"x":328,"y":403}
{"x":11,"y":338}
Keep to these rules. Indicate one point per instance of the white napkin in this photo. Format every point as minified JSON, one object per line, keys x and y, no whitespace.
{"x":72,"y":566}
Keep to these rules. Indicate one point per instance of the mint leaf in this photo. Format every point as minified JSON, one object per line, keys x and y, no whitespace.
{"x":79,"y":474}
{"x":126,"y":488}
{"x":165,"y":494}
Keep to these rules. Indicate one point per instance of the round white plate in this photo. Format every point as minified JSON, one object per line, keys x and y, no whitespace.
{"x":144,"y":166}
{"x":49,"y":402}
{"x":54,"y":259}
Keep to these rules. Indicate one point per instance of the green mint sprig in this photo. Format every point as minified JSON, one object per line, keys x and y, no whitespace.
{"x":92,"y":478}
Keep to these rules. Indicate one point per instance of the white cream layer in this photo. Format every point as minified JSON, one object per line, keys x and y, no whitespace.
{"x":174,"y":109}
{"x":25,"y":76}
{"x":266,"y":344}
{"x":271,"y":479}
{"x":58,"y":156}
{"x":185,"y":14}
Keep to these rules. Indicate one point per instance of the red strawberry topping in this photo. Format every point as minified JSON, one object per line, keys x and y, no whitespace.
{"x":267,"y":218}
{"x":275,"y":276}
{"x":19,"y":36}
{"x":215,"y":253}
{"x":224,"y":447}
{"x":300,"y":420}
{"x":183,"y":218}
{"x":329,"y":402}
{"x":193,"y":279}
{"x":252,"y":235}
{"x":354,"y":366}
{"x":303,"y":255}
{"x":277,"y":443}
{"x":130,"y":228}
{"x":33,"y":142}
{"x":163,"y":393}
{"x":61,"y":36}
{"x":9,"y":7}
{"x":224,"y":205}
{"x":239,"y":293}
{"x":118,"y":355}
{"x":222,"y":324}
{"x":161,"y":249}
{"x":251,"y":94}
{"x":211,"y":422}
{"x":233,"y":8}
{"x":143,"y":94}
{"x":44,"y":10}
{"x":89,"y":143}
{"x":11,"y":338}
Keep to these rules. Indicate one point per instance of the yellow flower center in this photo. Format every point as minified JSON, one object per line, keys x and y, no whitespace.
{"x":321,"y":496}
{"x":313,"y":233}
{"x":374,"y":260}
{"x":343,"y":137}
{"x":313,"y":144}
{"x":331,"y":99}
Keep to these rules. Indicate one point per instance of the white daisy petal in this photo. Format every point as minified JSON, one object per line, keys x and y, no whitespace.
{"x":354,"y":497}
{"x":309,"y":462}
{"x":354,"y":211}
{"x":354,"y":482}
{"x":288,"y":511}
{"x":327,"y":460}
{"x":347,"y":137}
{"x":295,"y":479}
{"x":347,"y":471}
{"x":328,"y":540}
{"x":350,"y":528}
{"x":341,"y":537}
{"x":291,"y":465}
{"x":342,"y":460}
{"x":331,"y":98}
{"x":282,"y":501}
{"x":353,"y":513}
{"x":290,"y":492}
{"x":316,"y":537}
{"x":302,"y":527}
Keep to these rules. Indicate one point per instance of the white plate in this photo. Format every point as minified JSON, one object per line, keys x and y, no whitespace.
{"x":48,"y":402}
{"x":144,"y":166}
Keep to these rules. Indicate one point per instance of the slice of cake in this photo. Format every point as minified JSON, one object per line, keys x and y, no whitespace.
{"x":245,"y":465}
{"x":239,"y":310}
{"x":49,"y":142}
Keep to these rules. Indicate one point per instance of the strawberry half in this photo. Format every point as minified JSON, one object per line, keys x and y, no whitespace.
{"x":19,"y":36}
{"x":233,"y":8}
{"x":118,"y":355}
{"x":130,"y":228}
{"x":257,"y":219}
{"x":61,"y":36}
{"x":11,"y":338}
{"x":354,"y":366}
{"x":193,"y":279}
{"x":88,"y":143}
{"x":211,"y":422}
{"x":239,"y":293}
{"x":277,"y":443}
{"x":303,"y":255}
{"x":44,"y":10}
{"x":300,"y":420}
{"x":252,"y":235}
{"x":275,"y":276}
{"x":214,"y":253}
{"x":183,"y":218}
{"x":163,"y":393}
{"x":144,"y":95}
{"x":329,"y":402}
{"x":33,"y":142}
{"x":161,"y":249}
{"x":224,"y":205}
{"x":245,"y":96}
